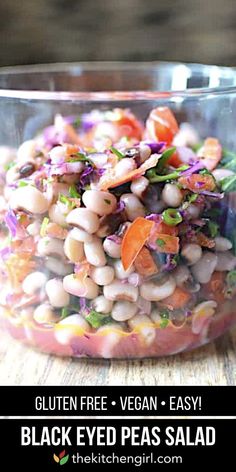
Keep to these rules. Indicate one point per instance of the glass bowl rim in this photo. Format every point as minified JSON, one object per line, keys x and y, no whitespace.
{"x":108,"y":96}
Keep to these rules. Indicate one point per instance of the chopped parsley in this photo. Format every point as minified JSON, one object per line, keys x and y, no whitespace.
{"x":44,"y":227}
{"x":64,"y":313}
{"x":66,"y":201}
{"x":96,"y":319}
{"x":22,"y":183}
{"x":164,"y":314}
{"x":115,"y":151}
{"x":74,"y":192}
{"x":228,"y":184}
{"x":79,"y":157}
{"x":213,"y":228}
{"x":192,"y":198}
{"x":160,"y":242}
{"x":9,"y":166}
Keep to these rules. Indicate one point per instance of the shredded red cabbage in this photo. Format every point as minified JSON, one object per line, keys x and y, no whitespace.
{"x":212,"y":194}
{"x":193,"y":169}
{"x":154,"y":217}
{"x":5,"y":253}
{"x":120,"y":207}
{"x":155,"y":147}
{"x":171,"y":263}
{"x":11,"y":222}
{"x":116,"y":239}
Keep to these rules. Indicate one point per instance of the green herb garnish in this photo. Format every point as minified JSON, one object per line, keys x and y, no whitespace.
{"x":73,"y":192}
{"x":22,"y":183}
{"x":79,"y":157}
{"x":164,"y":314}
{"x":77,"y":122}
{"x":164,"y":323}
{"x":172,"y":217}
{"x":192,"y":198}
{"x":160,"y":242}
{"x":44,"y":227}
{"x":115,"y":151}
{"x":108,"y":202}
{"x":96,"y":319}
{"x":213,"y":228}
{"x":9,"y":166}
{"x":64,"y":313}
{"x":66,"y":201}
{"x":228,"y":184}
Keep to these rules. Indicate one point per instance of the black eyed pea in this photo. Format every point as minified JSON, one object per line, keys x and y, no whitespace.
{"x":142,"y":324}
{"x":74,"y":250}
{"x":222,"y":244}
{"x":84,"y":219}
{"x":57,"y":154}
{"x":70,"y":327}
{"x":80,"y":288}
{"x":81,"y":235}
{"x":27,"y":151}
{"x":111,"y":335}
{"x":204,"y":268}
{"x":34,"y":282}
{"x":133,"y":206}
{"x":58,"y":297}
{"x":29,"y":199}
{"x":155,"y":316}
{"x":60,"y":188}
{"x":145,"y":152}
{"x":94,"y":252}
{"x":57,"y":213}
{"x":193,"y":211}
{"x":50,"y":246}
{"x":124,"y":166}
{"x":138,"y":186}
{"x":44,"y":314}
{"x":123,"y":310}
{"x":102,"y":305}
{"x":182,"y":275}
{"x":119,"y":291}
{"x":34,"y":228}
{"x":101,"y":203}
{"x":57,"y":266}
{"x":158,"y":290}
{"x":202,"y":312}
{"x":120,"y":272}
{"x":12,"y":176}
{"x":171,"y":195}
{"x":112,"y":248}
{"x":192,"y":253}
{"x":102,"y":275}
{"x":225,"y":261}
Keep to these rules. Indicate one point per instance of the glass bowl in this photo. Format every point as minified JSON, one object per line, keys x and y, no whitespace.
{"x":117,"y":204}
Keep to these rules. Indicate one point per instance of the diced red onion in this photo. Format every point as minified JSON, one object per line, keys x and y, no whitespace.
{"x":120,"y":207}
{"x":212,"y":194}
{"x":135,"y":279}
{"x":194,"y":168}
{"x":11,"y":222}
{"x":155,"y":147}
{"x":186,"y":155}
{"x":116,"y":239}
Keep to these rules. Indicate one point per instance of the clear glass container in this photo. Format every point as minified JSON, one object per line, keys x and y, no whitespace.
{"x":102,"y":253}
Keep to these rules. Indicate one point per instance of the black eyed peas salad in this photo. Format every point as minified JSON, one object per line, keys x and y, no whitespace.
{"x":117,"y":236}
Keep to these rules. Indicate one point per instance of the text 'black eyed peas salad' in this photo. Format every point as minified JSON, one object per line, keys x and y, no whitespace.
{"x":117,"y":237}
